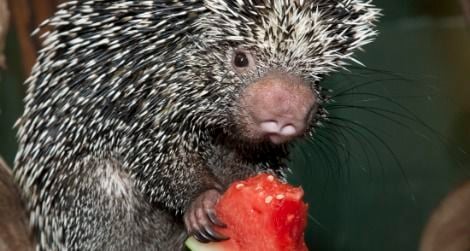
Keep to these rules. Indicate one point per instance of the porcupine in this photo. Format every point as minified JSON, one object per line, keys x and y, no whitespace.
{"x":138,"y":114}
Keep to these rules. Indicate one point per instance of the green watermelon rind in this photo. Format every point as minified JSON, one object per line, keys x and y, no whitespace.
{"x":195,"y":245}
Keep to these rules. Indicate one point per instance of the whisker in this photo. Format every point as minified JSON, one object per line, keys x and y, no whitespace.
{"x":381,"y":112}
{"x":361,"y":85}
{"x":316,"y":222}
{"x":385,"y":145}
{"x":360,"y":138}
{"x":409,"y":115}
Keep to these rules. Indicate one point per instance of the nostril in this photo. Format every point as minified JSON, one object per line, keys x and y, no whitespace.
{"x":275,"y":127}
{"x":289,"y":130}
{"x":279,"y":131}
{"x":270,"y":127}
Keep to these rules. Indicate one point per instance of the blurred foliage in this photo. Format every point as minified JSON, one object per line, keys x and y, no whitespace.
{"x":374,"y":190}
{"x":11,"y":93}
{"x":373,"y":178}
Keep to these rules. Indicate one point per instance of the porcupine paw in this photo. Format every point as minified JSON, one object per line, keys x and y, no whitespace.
{"x":200,"y":218}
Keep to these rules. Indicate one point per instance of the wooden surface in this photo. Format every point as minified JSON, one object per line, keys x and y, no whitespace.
{"x":14,"y":231}
{"x":466,"y":9}
{"x":26,"y":16}
{"x":4,"y":24}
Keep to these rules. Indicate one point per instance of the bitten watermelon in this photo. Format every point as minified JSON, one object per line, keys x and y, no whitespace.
{"x":262,"y":214}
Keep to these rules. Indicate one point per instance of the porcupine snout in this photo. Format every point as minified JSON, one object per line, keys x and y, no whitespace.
{"x":279,"y":107}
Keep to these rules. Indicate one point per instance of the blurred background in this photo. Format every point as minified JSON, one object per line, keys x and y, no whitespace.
{"x":400,"y":136}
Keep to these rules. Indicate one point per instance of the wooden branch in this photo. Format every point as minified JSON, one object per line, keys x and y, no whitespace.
{"x":15,"y":233}
{"x":449,"y":227}
{"x":4,"y":23}
{"x":27,"y":15}
{"x":20,"y":11}
{"x":466,"y":9}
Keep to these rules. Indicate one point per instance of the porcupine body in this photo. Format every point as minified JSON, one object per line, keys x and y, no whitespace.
{"x":135,"y":108}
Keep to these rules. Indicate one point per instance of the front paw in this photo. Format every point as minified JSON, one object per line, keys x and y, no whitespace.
{"x":200,"y":218}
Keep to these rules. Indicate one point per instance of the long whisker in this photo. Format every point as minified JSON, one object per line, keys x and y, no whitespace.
{"x":383,"y":143}
{"x":409,"y":116}
{"x":361,"y":138}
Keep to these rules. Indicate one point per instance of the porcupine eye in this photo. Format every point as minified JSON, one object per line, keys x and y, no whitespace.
{"x":242,"y":60}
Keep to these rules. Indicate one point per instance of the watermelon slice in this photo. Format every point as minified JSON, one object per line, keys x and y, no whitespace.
{"x":262,"y":214}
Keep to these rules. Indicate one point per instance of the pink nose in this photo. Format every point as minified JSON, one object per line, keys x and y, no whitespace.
{"x":280,"y":106}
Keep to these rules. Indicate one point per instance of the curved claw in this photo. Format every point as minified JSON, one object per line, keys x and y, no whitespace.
{"x":201,"y":237}
{"x":215,"y":236}
{"x":200,"y":218}
{"x":214,"y":219}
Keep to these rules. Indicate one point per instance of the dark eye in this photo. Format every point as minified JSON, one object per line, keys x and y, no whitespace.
{"x":241,"y":60}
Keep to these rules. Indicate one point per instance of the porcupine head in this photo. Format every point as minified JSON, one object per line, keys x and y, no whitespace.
{"x":149,"y":89}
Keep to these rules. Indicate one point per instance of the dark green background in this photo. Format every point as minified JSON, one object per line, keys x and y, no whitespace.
{"x":380,"y":196}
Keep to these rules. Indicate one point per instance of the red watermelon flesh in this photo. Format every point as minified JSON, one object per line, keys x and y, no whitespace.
{"x":262,"y":214}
